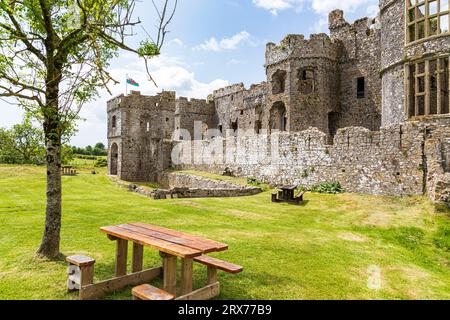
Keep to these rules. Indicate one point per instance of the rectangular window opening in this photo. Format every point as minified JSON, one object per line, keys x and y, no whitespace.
{"x":361,"y":88}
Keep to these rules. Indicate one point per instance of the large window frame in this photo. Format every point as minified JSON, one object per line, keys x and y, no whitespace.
{"x":427,"y":18}
{"x":427,"y":84}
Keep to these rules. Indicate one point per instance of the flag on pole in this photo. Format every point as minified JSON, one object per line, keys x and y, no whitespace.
{"x":132,"y":82}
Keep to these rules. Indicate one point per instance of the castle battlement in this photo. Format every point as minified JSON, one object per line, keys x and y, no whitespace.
{"x":196,"y":106}
{"x":232,"y":89}
{"x":297,"y":47}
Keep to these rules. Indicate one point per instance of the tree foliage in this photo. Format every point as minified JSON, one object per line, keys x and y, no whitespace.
{"x":24,"y":144}
{"x":54,"y":57}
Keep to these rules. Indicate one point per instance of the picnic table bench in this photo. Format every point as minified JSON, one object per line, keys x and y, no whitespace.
{"x":68,"y":171}
{"x":172,"y":245}
{"x":287,"y":194}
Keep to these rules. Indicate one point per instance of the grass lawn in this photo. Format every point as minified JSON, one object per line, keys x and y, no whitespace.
{"x":325,"y":249}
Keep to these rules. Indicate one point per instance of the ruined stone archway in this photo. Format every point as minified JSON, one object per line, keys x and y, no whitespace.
{"x":114,"y":159}
{"x":278,"y":119}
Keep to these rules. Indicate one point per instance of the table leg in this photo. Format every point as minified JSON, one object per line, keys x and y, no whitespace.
{"x":212,"y":275}
{"x":186,"y":276}
{"x":121,"y":257}
{"x":138,"y":256}
{"x":170,"y":273}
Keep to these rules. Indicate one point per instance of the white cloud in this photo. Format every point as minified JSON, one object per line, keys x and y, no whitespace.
{"x":225,"y":44}
{"x":322,"y":7}
{"x":277,"y":5}
{"x":177,"y":41}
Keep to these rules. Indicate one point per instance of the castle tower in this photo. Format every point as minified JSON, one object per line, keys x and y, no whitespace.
{"x":303,"y":75}
{"x":140,"y":130}
{"x":359,"y":71}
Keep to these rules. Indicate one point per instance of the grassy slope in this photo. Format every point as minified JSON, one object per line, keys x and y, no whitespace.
{"x":321,"y":250}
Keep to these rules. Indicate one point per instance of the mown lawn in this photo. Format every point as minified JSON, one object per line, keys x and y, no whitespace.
{"x":325,"y":249}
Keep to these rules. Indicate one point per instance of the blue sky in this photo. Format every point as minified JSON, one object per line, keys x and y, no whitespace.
{"x":212,"y":43}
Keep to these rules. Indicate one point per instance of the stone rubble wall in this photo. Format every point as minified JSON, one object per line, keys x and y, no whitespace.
{"x":180,"y":185}
{"x":389,"y":162}
{"x":170,"y":180}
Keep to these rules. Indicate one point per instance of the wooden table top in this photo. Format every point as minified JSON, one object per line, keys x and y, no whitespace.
{"x":169,"y":241}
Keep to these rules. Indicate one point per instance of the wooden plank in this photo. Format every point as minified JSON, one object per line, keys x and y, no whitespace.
{"x":161,"y":245}
{"x":87,"y":275}
{"x":186,"y":276}
{"x":121,"y":257}
{"x":206,"y":293}
{"x":80,"y":261}
{"x":170,"y":273}
{"x":201,"y":246}
{"x":217,"y":245}
{"x":212,"y":275}
{"x":219,"y":264}
{"x":138,"y":258}
{"x":100,"y":289}
{"x":148,"y":292}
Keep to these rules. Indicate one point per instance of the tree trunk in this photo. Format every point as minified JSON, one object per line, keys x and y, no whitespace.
{"x":52,"y":129}
{"x":50,"y":241}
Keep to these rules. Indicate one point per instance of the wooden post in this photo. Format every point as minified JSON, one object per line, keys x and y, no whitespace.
{"x":138,"y":256}
{"x":186,"y":276}
{"x":87,"y":275}
{"x":212,"y":275}
{"x":121,"y":257}
{"x":169,"y":273}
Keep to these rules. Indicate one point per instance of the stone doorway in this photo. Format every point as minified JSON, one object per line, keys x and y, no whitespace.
{"x":114,"y":158}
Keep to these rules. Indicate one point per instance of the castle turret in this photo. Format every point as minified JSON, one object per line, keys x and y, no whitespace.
{"x":303,"y":77}
{"x":139,"y":135}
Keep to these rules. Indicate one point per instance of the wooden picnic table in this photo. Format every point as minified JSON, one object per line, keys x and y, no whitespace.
{"x":287,"y":194}
{"x":172,"y":245}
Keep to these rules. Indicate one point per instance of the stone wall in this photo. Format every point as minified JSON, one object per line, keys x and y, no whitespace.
{"x":360,"y":58}
{"x":169,"y":180}
{"x":189,"y":111}
{"x":389,"y":162}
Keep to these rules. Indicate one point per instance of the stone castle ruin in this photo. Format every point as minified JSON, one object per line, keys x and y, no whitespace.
{"x":367,"y":106}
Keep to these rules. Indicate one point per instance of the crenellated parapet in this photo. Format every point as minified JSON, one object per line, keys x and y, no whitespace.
{"x":297,"y":47}
{"x":195,"y":106}
{"x":229,"y":90}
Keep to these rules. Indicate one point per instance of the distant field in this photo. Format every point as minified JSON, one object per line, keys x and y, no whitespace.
{"x":84,"y":163}
{"x":328,"y":248}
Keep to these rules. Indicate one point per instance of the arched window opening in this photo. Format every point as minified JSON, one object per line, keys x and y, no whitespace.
{"x":279,"y":82}
{"x":278,"y":118}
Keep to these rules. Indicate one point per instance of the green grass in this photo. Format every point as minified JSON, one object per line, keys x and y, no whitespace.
{"x":81,"y":163}
{"x":323,"y":249}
